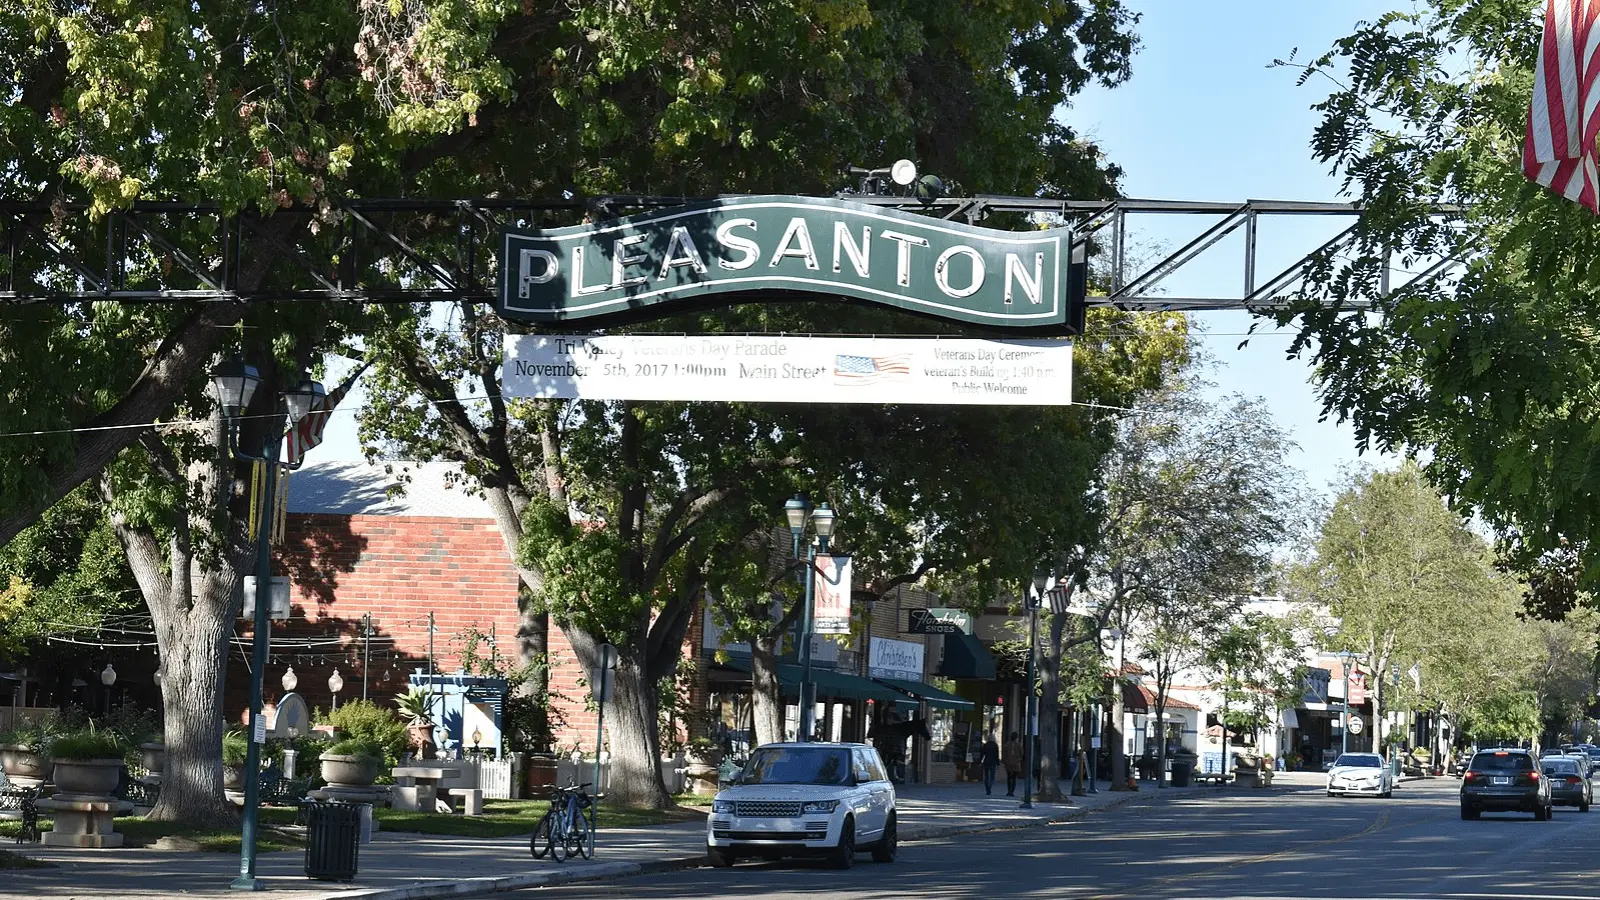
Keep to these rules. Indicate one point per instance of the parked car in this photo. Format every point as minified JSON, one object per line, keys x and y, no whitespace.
{"x":1593,"y":753}
{"x":1580,"y":756}
{"x":1360,"y":773}
{"x":1569,"y":782}
{"x":805,"y":799}
{"x":1505,"y":780}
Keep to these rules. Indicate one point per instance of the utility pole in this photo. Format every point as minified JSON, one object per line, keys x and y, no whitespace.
{"x":366,"y":650}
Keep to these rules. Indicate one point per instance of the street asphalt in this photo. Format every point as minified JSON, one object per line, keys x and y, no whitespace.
{"x":1294,"y":843}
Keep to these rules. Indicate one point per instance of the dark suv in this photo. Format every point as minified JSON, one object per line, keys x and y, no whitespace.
{"x":1504,"y":780}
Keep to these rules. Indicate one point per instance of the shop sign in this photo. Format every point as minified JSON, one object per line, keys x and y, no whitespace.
{"x":938,"y":620}
{"x":895,"y":659}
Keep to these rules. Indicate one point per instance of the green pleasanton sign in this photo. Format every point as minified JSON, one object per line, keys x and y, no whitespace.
{"x":765,"y":246}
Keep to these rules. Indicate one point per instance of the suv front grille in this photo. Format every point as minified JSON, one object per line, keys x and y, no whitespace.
{"x":761,"y":809}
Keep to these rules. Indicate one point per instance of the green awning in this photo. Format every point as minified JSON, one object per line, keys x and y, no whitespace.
{"x":831,"y":683}
{"x":924,"y":691}
{"x":966,"y":657}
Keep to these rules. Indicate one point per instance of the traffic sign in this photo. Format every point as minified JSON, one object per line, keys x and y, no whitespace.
{"x":1355,"y":725}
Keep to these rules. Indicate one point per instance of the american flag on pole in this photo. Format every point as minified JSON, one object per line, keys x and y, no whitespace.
{"x":307,"y":432}
{"x":849,"y":369}
{"x":1559,"y":149}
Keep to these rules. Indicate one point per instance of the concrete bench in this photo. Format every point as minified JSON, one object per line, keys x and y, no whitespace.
{"x":471,"y":800}
{"x":1211,"y":778}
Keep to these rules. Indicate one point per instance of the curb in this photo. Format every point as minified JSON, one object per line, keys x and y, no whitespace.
{"x":604,"y":871}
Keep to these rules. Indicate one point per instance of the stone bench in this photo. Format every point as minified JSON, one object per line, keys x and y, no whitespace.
{"x":471,"y":800}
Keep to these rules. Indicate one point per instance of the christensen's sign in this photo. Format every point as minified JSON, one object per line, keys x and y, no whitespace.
{"x":612,"y":270}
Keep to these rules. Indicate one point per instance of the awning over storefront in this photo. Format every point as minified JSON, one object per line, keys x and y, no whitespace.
{"x":831,"y":683}
{"x":966,"y":657}
{"x":1290,"y":719}
{"x":925,"y":691}
{"x":1133,"y":700}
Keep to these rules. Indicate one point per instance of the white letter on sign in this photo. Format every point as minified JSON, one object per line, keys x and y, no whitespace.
{"x":797,"y":233}
{"x":941,"y":272}
{"x":844,"y":245}
{"x":578,"y":288}
{"x":526,"y":279}
{"x":620,"y":259}
{"x":681,"y":243}
{"x":750,"y":249}
{"x":1033,"y":287}
{"x":903,"y":260}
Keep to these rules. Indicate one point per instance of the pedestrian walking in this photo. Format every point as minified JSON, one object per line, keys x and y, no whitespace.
{"x":991,"y":762}
{"x":1011,"y":755}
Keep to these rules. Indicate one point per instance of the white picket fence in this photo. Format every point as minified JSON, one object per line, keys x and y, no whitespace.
{"x":495,"y":778}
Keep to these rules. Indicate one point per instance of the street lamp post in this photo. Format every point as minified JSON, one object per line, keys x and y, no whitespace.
{"x":1344,"y":708}
{"x":108,"y":677}
{"x":1034,"y":599}
{"x":235,"y":385}
{"x":823,"y":520}
{"x":335,"y":685}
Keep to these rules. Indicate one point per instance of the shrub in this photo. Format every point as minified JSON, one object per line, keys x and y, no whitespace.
{"x":357,"y":747}
{"x":33,"y":734}
{"x":84,"y":745}
{"x":363,"y":720}
{"x":234,"y":748}
{"x":416,"y":706}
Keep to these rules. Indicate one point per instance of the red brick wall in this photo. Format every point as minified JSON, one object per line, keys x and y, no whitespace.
{"x":398,"y":569}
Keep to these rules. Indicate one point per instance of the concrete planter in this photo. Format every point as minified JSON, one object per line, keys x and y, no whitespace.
{"x":233,"y":778}
{"x":95,"y":777}
{"x":23,"y":762}
{"x":153,"y":757}
{"x":350,"y":771}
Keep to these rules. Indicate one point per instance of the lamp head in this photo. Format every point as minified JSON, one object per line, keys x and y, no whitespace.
{"x":929,"y":188}
{"x":108,"y":676}
{"x":903,"y":172}
{"x":290,"y":680}
{"x":823,"y":518}
{"x":303,"y":399}
{"x":235,"y":383}
{"x":795,"y":512}
{"x":335,"y":683}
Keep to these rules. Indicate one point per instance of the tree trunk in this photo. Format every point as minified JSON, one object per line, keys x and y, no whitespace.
{"x":1161,"y":739}
{"x":1119,"y":766}
{"x":633,"y":736}
{"x":766,"y":697}
{"x":1084,"y":750}
{"x":1049,"y":741}
{"x":193,"y":666}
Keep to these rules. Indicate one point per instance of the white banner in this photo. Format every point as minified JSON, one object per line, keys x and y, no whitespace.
{"x":831,"y":596}
{"x":789,"y":369}
{"x":895,"y":659}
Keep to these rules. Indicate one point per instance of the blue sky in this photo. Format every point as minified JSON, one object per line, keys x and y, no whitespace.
{"x":1205,"y":118}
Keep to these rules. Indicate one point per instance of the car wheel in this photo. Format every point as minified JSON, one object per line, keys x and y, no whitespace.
{"x":844,"y":855}
{"x":1583,"y":806}
{"x":721,"y":858}
{"x":1389,"y":793}
{"x":1468,"y":812}
{"x":889,"y":845}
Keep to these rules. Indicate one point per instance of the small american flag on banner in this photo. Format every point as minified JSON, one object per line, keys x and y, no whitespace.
{"x":1559,"y":148}
{"x":872,"y":369}
{"x":307,"y":433}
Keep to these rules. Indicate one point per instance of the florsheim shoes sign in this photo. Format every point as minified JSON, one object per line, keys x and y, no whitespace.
{"x":765,"y":247}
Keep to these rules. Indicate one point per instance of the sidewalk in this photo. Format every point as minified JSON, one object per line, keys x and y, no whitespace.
{"x":403,"y":866}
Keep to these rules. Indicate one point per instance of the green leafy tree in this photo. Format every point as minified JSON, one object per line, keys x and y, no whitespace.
{"x":1488,"y":372}
{"x":1255,"y":660}
{"x":1396,"y":569}
{"x":64,"y":573}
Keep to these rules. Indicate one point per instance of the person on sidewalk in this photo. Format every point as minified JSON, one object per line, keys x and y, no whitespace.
{"x":1011,"y":755}
{"x":990,"y":758}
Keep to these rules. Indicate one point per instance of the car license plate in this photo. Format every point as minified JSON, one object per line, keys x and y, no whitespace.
{"x":1502,"y":780}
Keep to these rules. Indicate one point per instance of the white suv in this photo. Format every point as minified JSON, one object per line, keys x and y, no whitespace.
{"x":805,"y":800}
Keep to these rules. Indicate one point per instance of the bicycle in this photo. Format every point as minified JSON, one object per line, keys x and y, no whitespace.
{"x":567,"y":828}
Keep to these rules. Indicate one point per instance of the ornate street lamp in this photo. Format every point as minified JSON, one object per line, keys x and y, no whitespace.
{"x":335,"y":685}
{"x":823,"y":520}
{"x":235,"y":384}
{"x":108,"y":677}
{"x":290,"y":680}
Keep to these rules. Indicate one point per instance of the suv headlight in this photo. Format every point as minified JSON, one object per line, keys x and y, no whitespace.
{"x":722,"y":806}
{"x":820,"y":806}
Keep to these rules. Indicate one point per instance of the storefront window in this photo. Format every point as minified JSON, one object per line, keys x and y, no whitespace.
{"x":941,"y":724}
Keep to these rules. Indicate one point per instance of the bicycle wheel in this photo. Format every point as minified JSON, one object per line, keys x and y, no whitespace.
{"x":539,"y":844}
{"x":588,"y":841}
{"x":558,"y":838}
{"x":581,"y":839}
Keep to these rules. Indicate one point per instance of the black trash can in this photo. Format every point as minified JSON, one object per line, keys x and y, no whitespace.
{"x":1182,"y":772}
{"x":333,"y":840}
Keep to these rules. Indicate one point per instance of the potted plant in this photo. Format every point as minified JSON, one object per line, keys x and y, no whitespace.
{"x":25,"y":749}
{"x":352,"y":763}
{"x":416,"y":707}
{"x":703,"y":751}
{"x":235,"y":750}
{"x":87,"y":762}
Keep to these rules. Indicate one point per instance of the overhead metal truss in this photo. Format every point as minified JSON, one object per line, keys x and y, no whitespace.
{"x":403,"y":250}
